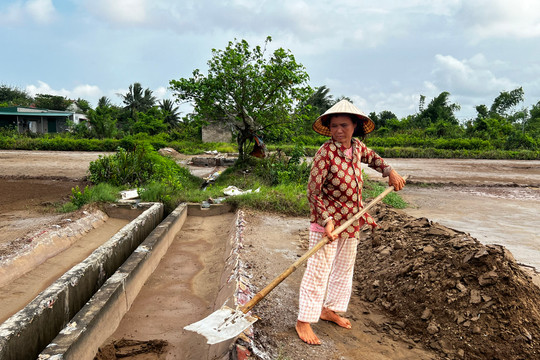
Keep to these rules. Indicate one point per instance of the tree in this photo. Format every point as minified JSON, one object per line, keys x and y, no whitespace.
{"x":103,"y":119}
{"x":51,"y":102}
{"x":382,"y":118}
{"x":533,"y":122}
{"x":246,"y":89}
{"x":171,"y":113}
{"x":150,"y":122}
{"x":138,"y":100}
{"x":14,"y":97}
{"x":505,"y":102}
{"x":104,"y":102}
{"x":320,"y":100}
{"x":438,"y":109}
{"x":83,"y":104}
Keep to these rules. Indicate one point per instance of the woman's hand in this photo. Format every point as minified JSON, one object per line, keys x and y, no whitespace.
{"x":395,"y":180}
{"x":328,"y":228}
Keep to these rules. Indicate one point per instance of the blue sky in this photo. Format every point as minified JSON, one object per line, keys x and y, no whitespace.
{"x":382,"y":54}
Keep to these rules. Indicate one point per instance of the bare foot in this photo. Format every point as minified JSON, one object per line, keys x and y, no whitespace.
{"x":306,"y":333}
{"x":329,"y":315}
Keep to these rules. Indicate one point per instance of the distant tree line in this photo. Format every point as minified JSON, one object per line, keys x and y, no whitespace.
{"x":253,"y":92}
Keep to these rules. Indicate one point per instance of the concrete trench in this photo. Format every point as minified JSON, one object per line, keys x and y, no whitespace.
{"x":102,"y":297}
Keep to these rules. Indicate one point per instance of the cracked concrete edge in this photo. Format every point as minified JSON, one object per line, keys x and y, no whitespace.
{"x":239,"y":280}
{"x":27,"y":332}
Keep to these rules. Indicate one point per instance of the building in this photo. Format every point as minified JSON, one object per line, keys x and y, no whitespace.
{"x":38,"y":121}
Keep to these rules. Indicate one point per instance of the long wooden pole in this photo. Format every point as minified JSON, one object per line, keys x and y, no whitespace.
{"x":261,"y":294}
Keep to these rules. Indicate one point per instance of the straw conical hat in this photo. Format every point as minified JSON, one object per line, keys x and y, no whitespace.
{"x":344,"y":107}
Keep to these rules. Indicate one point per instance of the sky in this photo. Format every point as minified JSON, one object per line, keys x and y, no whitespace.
{"x":381,"y":54}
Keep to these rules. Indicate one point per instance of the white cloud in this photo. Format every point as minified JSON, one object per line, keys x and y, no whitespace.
{"x":487,"y":19}
{"x":44,"y":88}
{"x":161,"y":93}
{"x":38,"y":11}
{"x":42,"y":11}
{"x":120,"y":11}
{"x":467,"y":76}
{"x":88,"y":92}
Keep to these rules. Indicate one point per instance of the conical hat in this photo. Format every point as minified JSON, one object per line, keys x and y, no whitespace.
{"x":344,"y":107}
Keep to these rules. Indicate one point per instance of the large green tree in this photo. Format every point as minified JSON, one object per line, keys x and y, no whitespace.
{"x":506,"y":102}
{"x":51,"y":102}
{"x":246,"y":89}
{"x":12,"y":96}
{"x":439,"y":109}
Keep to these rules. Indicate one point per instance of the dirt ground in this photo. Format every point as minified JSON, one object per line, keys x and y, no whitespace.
{"x":421,"y":291}
{"x":32,"y":182}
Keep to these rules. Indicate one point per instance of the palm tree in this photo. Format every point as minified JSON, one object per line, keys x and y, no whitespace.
{"x":137,"y":99}
{"x":172,"y":115}
{"x":320,"y":100}
{"x":104,"y":102}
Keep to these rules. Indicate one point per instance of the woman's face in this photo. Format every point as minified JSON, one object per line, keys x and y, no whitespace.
{"x":342,"y":129}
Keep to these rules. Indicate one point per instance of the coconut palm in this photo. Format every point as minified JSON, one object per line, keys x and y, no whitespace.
{"x":137,"y":99}
{"x":104,"y":102}
{"x":172,"y":115}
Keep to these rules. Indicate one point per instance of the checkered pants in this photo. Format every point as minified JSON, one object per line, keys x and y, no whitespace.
{"x":329,"y":272}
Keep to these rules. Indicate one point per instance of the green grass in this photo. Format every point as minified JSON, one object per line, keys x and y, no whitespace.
{"x":101,"y":193}
{"x":373,"y":188}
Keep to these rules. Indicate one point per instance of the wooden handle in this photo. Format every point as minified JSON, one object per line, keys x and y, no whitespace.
{"x":261,"y":294}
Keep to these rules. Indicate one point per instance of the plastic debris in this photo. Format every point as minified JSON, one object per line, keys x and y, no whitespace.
{"x":129,"y":194}
{"x":233,"y":191}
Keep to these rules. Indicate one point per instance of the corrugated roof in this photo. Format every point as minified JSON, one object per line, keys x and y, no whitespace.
{"x":36,"y":114}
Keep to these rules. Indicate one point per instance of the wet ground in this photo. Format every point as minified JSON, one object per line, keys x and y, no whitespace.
{"x":181,"y":290}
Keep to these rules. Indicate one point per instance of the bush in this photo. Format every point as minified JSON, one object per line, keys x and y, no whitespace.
{"x":140,"y":166}
{"x":98,"y":193}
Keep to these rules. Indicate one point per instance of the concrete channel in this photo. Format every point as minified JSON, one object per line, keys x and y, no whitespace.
{"x":92,"y":302}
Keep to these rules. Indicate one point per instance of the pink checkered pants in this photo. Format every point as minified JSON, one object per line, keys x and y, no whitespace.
{"x":329,"y":272}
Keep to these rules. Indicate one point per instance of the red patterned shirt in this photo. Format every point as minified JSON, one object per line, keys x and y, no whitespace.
{"x":335,"y":184}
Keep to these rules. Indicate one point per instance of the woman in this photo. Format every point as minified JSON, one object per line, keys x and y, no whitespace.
{"x":335,"y":195}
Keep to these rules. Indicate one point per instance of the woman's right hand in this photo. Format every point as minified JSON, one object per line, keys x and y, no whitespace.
{"x":328,"y":228}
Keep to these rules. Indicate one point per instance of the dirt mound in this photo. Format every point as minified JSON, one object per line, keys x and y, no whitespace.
{"x":447,"y":290}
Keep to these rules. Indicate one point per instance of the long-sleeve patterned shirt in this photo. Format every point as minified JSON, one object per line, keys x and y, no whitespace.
{"x":335,"y":184}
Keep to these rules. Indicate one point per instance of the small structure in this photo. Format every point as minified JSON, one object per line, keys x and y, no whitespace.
{"x":38,"y":121}
{"x":216,"y":132}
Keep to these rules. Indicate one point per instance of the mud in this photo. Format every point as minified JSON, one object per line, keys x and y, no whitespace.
{"x":124,"y":348}
{"x":181,"y":291}
{"x":421,"y":291}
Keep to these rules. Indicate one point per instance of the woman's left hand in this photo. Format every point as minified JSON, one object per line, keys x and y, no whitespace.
{"x":395,"y":180}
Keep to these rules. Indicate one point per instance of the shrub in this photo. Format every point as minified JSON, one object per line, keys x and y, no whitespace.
{"x":142,"y":165}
